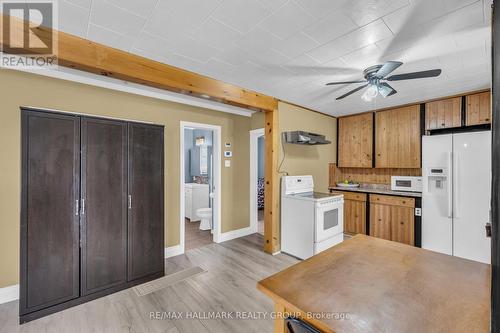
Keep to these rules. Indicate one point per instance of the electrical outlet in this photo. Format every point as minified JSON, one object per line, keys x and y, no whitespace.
{"x":418,"y":211}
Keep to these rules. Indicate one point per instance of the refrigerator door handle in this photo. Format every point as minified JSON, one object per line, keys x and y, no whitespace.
{"x":456,"y":184}
{"x":449,"y":185}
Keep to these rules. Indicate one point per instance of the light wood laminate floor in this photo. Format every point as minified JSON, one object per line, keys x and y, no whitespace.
{"x":194,"y":237}
{"x":233,"y":269}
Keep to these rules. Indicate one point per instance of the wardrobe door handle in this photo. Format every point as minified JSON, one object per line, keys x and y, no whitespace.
{"x":129,"y":201}
{"x":83,"y":206}
{"x":77,"y":207}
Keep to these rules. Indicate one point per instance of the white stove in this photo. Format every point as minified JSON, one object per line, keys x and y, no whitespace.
{"x":311,"y":222}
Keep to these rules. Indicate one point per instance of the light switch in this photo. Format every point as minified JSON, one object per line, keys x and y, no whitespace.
{"x":227,"y":163}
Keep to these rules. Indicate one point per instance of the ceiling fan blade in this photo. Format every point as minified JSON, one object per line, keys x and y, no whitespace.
{"x":353,"y":91}
{"x":386,"y":90}
{"x":346,"y":82}
{"x":387,"y":68}
{"x":415,"y":75}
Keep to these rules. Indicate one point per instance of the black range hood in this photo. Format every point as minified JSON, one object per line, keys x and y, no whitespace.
{"x":304,"y":138}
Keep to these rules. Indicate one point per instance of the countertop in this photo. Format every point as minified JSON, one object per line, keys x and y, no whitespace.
{"x":380,"y":189}
{"x":385,"y":286}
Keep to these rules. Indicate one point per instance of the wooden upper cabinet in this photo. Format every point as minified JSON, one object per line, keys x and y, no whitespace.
{"x":444,"y":113}
{"x":397,"y":138}
{"x":478,"y":108}
{"x":355,"y":141}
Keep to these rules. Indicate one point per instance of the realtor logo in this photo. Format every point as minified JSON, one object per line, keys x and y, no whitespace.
{"x":28,"y":34}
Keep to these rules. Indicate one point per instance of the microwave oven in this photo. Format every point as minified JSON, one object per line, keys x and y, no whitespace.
{"x":406,"y":183}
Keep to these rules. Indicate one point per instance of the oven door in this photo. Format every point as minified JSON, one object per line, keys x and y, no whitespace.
{"x":329,"y":220}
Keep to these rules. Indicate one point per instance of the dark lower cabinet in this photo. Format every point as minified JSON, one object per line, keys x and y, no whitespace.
{"x":49,"y":215}
{"x":145,"y":236}
{"x":92,"y":209}
{"x":104,"y":204}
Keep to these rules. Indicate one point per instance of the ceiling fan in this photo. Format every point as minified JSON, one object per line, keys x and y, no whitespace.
{"x":375,"y":75}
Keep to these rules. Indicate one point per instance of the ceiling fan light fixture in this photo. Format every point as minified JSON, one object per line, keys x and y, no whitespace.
{"x":370,"y":93}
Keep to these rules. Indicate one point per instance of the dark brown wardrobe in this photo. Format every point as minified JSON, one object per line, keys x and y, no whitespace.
{"x":92,"y":209}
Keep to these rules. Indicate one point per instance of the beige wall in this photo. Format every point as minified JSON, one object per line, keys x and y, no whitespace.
{"x":22,"y":89}
{"x":308,"y":160}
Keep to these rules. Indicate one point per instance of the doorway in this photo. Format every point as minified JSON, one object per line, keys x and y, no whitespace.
{"x":199,"y":185}
{"x":257,"y":181}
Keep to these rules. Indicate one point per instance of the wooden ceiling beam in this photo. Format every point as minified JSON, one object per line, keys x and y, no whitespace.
{"x":81,"y":54}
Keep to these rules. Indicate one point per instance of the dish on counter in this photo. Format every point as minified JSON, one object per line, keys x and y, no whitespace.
{"x":348,"y":184}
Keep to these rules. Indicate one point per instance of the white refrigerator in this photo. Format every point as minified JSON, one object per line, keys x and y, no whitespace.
{"x":456,"y":170}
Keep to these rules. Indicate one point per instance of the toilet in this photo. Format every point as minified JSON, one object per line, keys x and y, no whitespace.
{"x":205,"y":214}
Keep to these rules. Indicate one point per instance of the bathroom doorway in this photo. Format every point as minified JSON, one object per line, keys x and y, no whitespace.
{"x":199,"y":185}
{"x":257,"y":181}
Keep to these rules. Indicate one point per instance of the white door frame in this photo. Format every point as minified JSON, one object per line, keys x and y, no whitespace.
{"x":254,"y":166}
{"x":217,"y":157}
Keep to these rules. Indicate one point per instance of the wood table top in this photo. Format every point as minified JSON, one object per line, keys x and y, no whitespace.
{"x":385,"y":286}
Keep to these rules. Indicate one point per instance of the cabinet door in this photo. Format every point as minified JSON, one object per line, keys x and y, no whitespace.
{"x":397,"y":136}
{"x":146,"y":213}
{"x":355,"y":142}
{"x":104,"y":218}
{"x":380,"y":221}
{"x":402,"y":224}
{"x":478,"y":109}
{"x":444,"y":113}
{"x":49,"y":210}
{"x":355,"y":217}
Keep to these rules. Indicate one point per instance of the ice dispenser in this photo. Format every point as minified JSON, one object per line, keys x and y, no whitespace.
{"x":437,"y":180}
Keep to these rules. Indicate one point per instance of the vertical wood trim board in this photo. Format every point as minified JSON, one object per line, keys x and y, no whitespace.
{"x":271,"y":188}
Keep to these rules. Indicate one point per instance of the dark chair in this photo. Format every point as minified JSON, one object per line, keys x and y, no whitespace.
{"x":295,"y":325}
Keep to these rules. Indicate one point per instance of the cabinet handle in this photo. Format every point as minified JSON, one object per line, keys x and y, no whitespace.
{"x":77,"y":207}
{"x":83,"y":206}
{"x":129,"y":201}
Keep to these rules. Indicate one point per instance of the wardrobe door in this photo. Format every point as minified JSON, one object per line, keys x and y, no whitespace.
{"x":146,"y":214}
{"x":49,"y":210}
{"x":104,"y":204}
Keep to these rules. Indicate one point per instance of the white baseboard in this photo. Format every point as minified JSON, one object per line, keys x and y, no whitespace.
{"x":235,"y":234}
{"x":173,"y":251}
{"x":8,"y":294}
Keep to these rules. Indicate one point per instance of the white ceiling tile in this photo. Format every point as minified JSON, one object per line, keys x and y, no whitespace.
{"x":364,"y":57}
{"x":142,"y":8}
{"x":153,"y":45}
{"x":236,"y":56}
{"x":363,"y":12}
{"x":270,"y":57}
{"x":172,"y":17}
{"x":110,"y":38}
{"x":321,"y":8}
{"x":217,"y":69}
{"x":331,"y":27}
{"x":352,"y":41}
{"x":217,"y":34}
{"x":194,"y":49}
{"x":459,"y":20}
{"x":257,"y":40}
{"x":302,"y":65}
{"x":73,"y":19}
{"x":296,"y":45}
{"x":272,"y":5}
{"x":287,"y":21}
{"x":413,"y":16}
{"x":113,"y":18}
{"x":80,"y":3}
{"x":241,"y":15}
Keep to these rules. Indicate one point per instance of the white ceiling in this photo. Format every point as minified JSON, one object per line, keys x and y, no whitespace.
{"x":289,"y":49}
